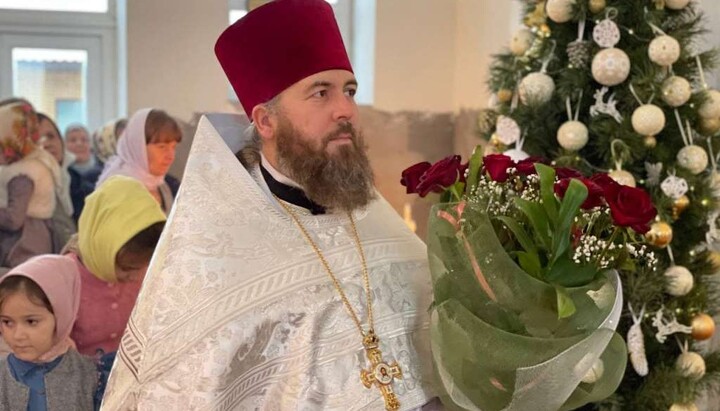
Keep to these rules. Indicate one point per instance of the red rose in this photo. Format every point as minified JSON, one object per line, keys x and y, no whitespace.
{"x":497,"y":166}
{"x":441,"y":175}
{"x":603,"y":180}
{"x":527,"y":167}
{"x":630,"y":207}
{"x":595,"y":192}
{"x":411,"y":176}
{"x":564,"y":172}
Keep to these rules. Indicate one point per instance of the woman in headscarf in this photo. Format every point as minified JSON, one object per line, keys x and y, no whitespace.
{"x":145,"y":152}
{"x":85,"y":169}
{"x":63,"y":224}
{"x":105,"y":139}
{"x":28,"y":178}
{"x":117,"y":234}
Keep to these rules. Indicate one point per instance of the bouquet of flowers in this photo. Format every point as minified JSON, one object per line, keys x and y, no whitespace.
{"x":524,"y":261}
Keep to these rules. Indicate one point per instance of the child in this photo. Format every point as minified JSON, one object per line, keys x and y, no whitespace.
{"x":39,"y":301}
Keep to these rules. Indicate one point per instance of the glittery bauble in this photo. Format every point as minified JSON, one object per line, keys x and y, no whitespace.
{"x":709,"y":126}
{"x":650,"y":141}
{"x":578,"y":52}
{"x":711,"y":107}
{"x":691,"y":365}
{"x":610,"y":67}
{"x":660,"y":234}
{"x":559,"y":11}
{"x":596,"y":6}
{"x":622,"y":177}
{"x":536,"y":89}
{"x":693,"y":158}
{"x":703,"y":327}
{"x":664,"y":51}
{"x":684,"y":407}
{"x":676,"y":4}
{"x":648,"y":120}
{"x":572,"y":135}
{"x":504,"y":95}
{"x":678,"y":281}
{"x":521,"y":42}
{"x":595,"y":372}
{"x":679,"y":205}
{"x":676,"y":91}
{"x":606,"y":33}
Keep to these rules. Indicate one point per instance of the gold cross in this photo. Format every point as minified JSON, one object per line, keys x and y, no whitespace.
{"x":380,"y":374}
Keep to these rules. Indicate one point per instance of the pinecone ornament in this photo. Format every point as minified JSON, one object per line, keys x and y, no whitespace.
{"x":579,"y":53}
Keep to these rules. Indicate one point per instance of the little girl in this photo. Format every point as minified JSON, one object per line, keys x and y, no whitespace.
{"x":39,"y":301}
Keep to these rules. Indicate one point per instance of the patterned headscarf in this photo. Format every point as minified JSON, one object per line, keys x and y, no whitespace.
{"x":19,"y":131}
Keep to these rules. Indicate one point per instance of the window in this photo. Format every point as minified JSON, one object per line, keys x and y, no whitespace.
{"x":89,"y":6}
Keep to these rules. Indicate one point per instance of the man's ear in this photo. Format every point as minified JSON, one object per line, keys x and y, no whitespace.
{"x":265,"y":122}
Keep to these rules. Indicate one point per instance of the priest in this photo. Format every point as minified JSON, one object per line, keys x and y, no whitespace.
{"x":283,"y":281}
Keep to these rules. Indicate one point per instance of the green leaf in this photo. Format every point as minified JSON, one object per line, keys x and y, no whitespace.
{"x":520,"y":234}
{"x":474,"y":166}
{"x":565,"y":304}
{"x":574,"y":197}
{"x":530,"y":263}
{"x":538,"y":220}
{"x":567,"y":273}
{"x":547,"y":192}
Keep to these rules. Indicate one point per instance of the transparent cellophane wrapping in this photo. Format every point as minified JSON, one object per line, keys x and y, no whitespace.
{"x":506,"y":349}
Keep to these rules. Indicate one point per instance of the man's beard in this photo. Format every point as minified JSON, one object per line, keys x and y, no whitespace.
{"x":341,"y":180}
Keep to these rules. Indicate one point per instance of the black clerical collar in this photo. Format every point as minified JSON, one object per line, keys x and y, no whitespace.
{"x":292,"y":195}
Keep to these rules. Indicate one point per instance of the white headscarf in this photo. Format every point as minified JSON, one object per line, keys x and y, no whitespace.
{"x":131,"y":159}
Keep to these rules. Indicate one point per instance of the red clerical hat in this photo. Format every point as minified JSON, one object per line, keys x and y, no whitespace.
{"x":277,"y":45}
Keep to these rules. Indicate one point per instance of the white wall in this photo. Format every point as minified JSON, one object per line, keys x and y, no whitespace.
{"x":171,"y":64}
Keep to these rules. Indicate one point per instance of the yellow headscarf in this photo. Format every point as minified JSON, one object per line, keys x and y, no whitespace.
{"x":118,"y":210}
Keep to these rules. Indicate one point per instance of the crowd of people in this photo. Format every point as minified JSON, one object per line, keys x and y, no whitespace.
{"x":80,"y":216}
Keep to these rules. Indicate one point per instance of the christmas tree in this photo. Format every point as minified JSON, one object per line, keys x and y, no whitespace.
{"x":619,"y":86}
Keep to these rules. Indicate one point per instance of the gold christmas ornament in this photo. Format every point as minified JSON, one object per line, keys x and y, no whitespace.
{"x":521,"y":41}
{"x":703,"y":327}
{"x":709,"y":126}
{"x":711,"y":107}
{"x":676,"y":4}
{"x":545,"y":30}
{"x":610,"y":67}
{"x":714,"y":259}
{"x":495,"y":141}
{"x":504,"y":95}
{"x":650,"y":141}
{"x":660,"y":234}
{"x":596,"y":6}
{"x":648,"y":120}
{"x":676,"y":91}
{"x":559,"y":11}
{"x":537,"y":16}
{"x":678,"y":281}
{"x":572,"y":135}
{"x":623,"y":177}
{"x":679,"y":205}
{"x":664,"y":51}
{"x":595,"y":373}
{"x":691,"y":365}
{"x":693,"y":158}
{"x":684,"y":407}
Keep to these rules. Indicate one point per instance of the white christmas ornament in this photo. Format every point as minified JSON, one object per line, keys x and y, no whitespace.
{"x":678,"y":281}
{"x":521,"y":42}
{"x":572,"y":135}
{"x":507,"y":130}
{"x":648,"y":120}
{"x":559,"y":11}
{"x":536,"y":89}
{"x":610,"y":67}
{"x":691,"y":365}
{"x":676,"y":4}
{"x":664,"y":51}
{"x":684,"y":407}
{"x":710,"y":109}
{"x":693,"y":158}
{"x":674,"y":187}
{"x":516,"y":154}
{"x":636,"y":344}
{"x":601,"y":107}
{"x":676,"y":91}
{"x":622,"y":177}
{"x":595,"y":373}
{"x":606,"y":34}
{"x":666,"y":328}
{"x":653,"y":171}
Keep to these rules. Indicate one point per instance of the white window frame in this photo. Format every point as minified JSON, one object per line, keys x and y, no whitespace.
{"x":95,"y":32}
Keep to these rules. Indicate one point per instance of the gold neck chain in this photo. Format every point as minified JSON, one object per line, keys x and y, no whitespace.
{"x":338,"y":287}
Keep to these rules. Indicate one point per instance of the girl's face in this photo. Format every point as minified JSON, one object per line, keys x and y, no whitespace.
{"x":27,"y":327}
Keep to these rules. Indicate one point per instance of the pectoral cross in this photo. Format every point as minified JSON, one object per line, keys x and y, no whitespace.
{"x":380,"y":374}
